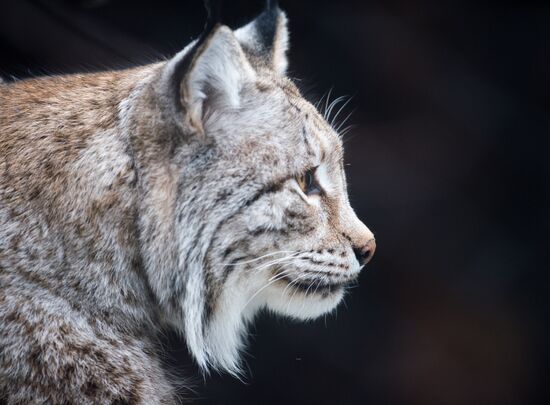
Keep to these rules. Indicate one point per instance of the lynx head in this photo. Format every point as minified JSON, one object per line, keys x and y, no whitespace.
{"x":244,"y":192}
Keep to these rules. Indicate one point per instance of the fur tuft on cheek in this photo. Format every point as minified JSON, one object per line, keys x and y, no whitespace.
{"x":225,"y":332}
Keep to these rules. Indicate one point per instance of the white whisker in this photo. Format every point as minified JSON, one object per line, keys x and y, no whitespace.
{"x":333,"y":120}
{"x":307,"y":290}
{"x":276,"y":261}
{"x":345,"y":131}
{"x":283,"y":272}
{"x":259,"y":258}
{"x":327,"y":102}
{"x":320,"y":101}
{"x":276,"y":277}
{"x":332,"y":105}
{"x":280,"y":276}
{"x":341,"y":124}
{"x":289,"y":285}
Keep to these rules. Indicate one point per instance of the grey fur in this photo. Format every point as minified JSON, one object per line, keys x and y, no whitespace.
{"x":122,"y":214}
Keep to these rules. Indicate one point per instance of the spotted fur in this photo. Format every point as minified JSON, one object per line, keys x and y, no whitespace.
{"x":163,"y":196}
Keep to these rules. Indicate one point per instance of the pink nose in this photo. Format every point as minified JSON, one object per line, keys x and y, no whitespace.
{"x":364,"y":254}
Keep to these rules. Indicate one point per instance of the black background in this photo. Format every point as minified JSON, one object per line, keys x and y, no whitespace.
{"x":448,"y":164}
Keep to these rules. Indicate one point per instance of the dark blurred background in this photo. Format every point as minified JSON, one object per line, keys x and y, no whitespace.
{"x":448,"y":163}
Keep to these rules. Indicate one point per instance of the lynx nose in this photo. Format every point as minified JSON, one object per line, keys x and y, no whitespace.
{"x":365,"y":253}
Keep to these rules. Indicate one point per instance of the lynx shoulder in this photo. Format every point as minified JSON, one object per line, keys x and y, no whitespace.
{"x":186,"y":194}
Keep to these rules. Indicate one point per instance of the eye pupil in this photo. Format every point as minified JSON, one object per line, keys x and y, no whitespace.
{"x":307,"y":182}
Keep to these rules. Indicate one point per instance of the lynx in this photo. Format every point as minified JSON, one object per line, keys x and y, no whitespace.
{"x":186,"y":194}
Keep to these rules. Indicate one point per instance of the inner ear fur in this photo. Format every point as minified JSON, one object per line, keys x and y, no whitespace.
{"x":209,"y":73}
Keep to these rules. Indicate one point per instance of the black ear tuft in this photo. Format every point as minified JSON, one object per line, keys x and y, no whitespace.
{"x":266,"y":37}
{"x":269,"y":4}
{"x":213,"y":13}
{"x":266,"y":25}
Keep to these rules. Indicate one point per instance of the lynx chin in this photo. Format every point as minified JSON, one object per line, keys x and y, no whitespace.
{"x":186,"y":194}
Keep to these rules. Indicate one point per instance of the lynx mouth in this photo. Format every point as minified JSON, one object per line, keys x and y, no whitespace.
{"x":318,"y":286}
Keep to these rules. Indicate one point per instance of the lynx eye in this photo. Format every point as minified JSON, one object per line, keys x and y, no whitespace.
{"x":308,"y":182}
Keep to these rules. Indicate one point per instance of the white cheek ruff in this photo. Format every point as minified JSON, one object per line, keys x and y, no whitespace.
{"x":242,"y":297}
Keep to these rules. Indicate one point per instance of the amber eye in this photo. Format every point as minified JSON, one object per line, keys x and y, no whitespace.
{"x":308,"y":183}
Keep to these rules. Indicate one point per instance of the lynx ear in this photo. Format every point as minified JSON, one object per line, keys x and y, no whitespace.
{"x":207,"y":75}
{"x":267,"y":37}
